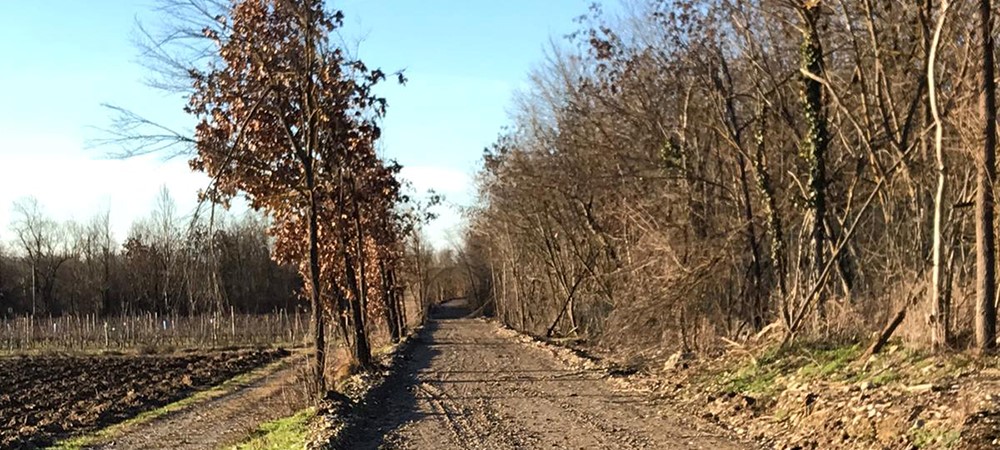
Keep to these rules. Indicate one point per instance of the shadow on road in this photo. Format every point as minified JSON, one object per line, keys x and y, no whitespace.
{"x":459,"y":384}
{"x":393,"y":403}
{"x":451,"y":310}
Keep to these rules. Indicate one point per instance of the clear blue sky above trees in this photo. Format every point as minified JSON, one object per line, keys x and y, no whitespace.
{"x":62,"y":59}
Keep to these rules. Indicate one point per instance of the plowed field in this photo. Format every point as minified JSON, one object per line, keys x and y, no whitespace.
{"x":43,"y":398}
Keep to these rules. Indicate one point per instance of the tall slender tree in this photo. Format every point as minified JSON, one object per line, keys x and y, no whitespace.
{"x":985,"y":323}
{"x":939,"y":304}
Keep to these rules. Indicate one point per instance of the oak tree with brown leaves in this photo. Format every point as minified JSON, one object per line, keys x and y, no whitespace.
{"x":288,"y":120}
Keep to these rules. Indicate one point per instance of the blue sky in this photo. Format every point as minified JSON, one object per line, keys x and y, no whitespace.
{"x":61,"y":59}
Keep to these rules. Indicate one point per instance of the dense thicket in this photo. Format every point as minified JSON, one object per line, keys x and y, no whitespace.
{"x":705,"y":168}
{"x":168,"y":264}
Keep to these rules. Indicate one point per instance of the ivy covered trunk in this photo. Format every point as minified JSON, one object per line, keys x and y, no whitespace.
{"x":774,"y":226}
{"x":815,"y":143}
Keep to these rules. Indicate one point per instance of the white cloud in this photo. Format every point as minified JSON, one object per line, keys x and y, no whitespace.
{"x":456,"y":187}
{"x":441,"y":179}
{"x":74,"y":186}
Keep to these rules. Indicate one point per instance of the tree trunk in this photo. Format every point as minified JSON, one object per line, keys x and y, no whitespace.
{"x":757,"y":309}
{"x":757,"y":306}
{"x":816,"y":142}
{"x":391,"y":315}
{"x":774,"y":225}
{"x":885,"y":334}
{"x":398,"y":303}
{"x":939,"y":304}
{"x":361,"y":349}
{"x":985,"y":174}
{"x":421,"y":280}
{"x":695,"y":211}
{"x":34,"y":289}
{"x":362,"y":263}
{"x":500,"y":305}
{"x":319,"y":340}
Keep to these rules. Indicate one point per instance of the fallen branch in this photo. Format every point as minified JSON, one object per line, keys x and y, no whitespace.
{"x":890,"y":328}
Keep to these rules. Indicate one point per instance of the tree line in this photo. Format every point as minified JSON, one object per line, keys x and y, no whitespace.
{"x":167,"y":264}
{"x":695,"y":169}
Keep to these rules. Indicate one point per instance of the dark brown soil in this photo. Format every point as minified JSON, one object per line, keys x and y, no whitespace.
{"x":44,"y":398}
{"x":222,"y":421}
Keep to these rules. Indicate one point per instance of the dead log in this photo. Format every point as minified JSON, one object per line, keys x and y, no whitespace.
{"x":883,"y":337}
{"x":890,"y":328}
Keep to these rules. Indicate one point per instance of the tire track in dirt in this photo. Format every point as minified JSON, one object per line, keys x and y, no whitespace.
{"x":458,"y":432}
{"x":466,"y":384}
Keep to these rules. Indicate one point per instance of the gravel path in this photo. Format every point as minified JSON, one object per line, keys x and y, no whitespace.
{"x":222,"y":420}
{"x":466,"y":384}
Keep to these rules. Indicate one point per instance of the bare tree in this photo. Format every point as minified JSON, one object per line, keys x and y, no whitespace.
{"x":45,"y":248}
{"x":939,"y":303}
{"x":166,"y":238}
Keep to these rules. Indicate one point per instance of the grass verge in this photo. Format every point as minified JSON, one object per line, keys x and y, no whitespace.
{"x":774,"y":369}
{"x":830,"y":395}
{"x":287,"y":433}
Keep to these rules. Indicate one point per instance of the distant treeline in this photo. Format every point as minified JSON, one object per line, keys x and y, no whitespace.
{"x":167,"y":264}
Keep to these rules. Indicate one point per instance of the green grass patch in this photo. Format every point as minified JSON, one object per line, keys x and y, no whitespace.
{"x":287,"y":433}
{"x":767,"y":374}
{"x":885,"y":377}
{"x":934,"y":437}
{"x":109,"y":433}
{"x":900,"y":366}
{"x":755,"y":376}
{"x":751,"y":379}
{"x":775,"y":368}
{"x":828,"y":363}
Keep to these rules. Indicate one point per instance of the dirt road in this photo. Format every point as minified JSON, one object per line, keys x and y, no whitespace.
{"x":224,"y":419}
{"x":466,"y":384}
